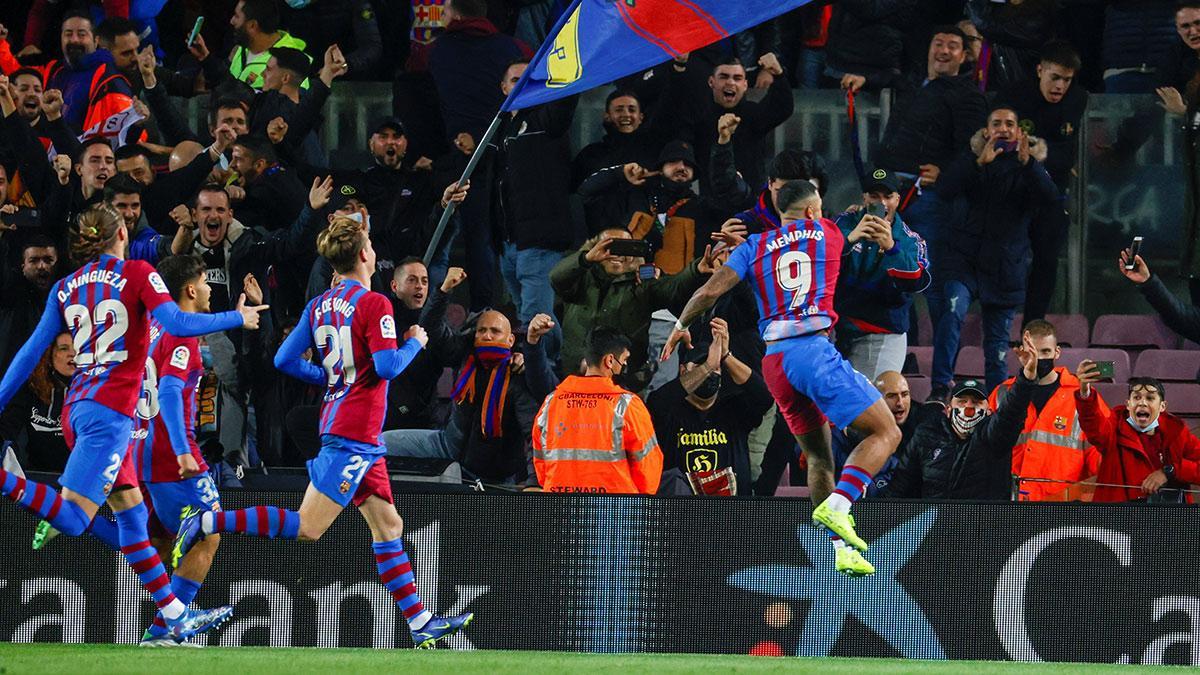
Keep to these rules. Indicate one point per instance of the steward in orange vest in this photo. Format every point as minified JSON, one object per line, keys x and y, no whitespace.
{"x":1052,"y":443}
{"x":591,"y":435}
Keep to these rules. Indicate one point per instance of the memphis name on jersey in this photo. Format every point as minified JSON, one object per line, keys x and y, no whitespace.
{"x":97,"y":276}
{"x":793,"y":237}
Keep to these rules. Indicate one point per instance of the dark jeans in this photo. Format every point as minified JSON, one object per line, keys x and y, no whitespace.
{"x":1047,"y":234}
{"x":948,"y":315}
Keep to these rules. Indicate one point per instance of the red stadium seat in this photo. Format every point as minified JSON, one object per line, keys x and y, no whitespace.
{"x":924,"y":360}
{"x":1183,"y":398}
{"x":1132,"y":331}
{"x":970,"y":362}
{"x":1168,"y":365}
{"x":919,"y":387}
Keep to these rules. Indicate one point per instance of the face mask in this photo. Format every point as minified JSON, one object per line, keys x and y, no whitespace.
{"x":964,"y":423}
{"x":1144,"y":430}
{"x":491,"y":354}
{"x":357,"y":217}
{"x":709,"y":387}
{"x":1044,"y":367}
{"x":298,"y":4}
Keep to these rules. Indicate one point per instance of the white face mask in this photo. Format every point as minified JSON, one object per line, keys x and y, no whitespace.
{"x":357,"y":217}
{"x":964,"y":420}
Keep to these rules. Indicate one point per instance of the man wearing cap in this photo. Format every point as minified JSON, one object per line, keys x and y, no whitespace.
{"x":657,"y":205}
{"x":703,"y":419}
{"x":883,"y":265}
{"x":968,"y":453}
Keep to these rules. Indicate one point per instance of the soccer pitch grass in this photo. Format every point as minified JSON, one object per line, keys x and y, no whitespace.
{"x":57,"y":658}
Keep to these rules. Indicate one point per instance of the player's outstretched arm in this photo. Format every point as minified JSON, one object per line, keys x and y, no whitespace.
{"x":48,"y":328}
{"x":290,"y":357}
{"x":191,"y":324}
{"x":701,"y":301}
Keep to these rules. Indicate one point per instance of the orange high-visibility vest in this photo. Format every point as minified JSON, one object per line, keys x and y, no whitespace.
{"x":1052,"y":445}
{"x":592,"y":436}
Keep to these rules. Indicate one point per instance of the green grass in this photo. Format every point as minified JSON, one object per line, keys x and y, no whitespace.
{"x":57,"y":658}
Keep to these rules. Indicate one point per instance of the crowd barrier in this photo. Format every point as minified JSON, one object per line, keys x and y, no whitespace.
{"x":1054,"y":582}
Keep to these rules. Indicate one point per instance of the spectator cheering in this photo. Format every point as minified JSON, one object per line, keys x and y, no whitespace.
{"x":593,"y":436}
{"x":1145,"y":448}
{"x":256,"y":28}
{"x":704,"y":418}
{"x":1052,"y":445}
{"x":885,"y":265}
{"x":968,"y":453}
{"x":986,"y":256}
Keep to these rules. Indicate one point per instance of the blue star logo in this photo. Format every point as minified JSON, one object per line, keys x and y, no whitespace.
{"x":880,"y":602}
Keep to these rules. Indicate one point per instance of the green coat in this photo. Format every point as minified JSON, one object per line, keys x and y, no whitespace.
{"x":591,"y":297}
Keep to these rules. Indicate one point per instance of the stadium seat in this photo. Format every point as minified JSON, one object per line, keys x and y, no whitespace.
{"x":919,"y":387}
{"x":924,"y":329}
{"x":1168,"y":365}
{"x":923,"y":356}
{"x":1132,"y":331}
{"x":1072,"y":329}
{"x":445,"y":383}
{"x":1183,"y":399}
{"x":972,"y":331}
{"x":1119,"y":357}
{"x":969,"y":363}
{"x":1113,"y":393}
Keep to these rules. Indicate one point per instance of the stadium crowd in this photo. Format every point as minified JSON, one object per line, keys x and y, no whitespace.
{"x":562,"y":262}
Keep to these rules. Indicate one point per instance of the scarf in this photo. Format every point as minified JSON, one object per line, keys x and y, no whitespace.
{"x":764,"y":212}
{"x":494,"y":357}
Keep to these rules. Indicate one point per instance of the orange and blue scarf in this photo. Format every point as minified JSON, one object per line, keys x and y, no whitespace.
{"x":494,"y":357}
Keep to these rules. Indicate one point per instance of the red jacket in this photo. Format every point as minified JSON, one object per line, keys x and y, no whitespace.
{"x":1129,"y":456}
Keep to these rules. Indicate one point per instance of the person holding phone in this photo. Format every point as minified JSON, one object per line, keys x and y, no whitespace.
{"x":986,"y":255}
{"x":1148,"y":452}
{"x":883,"y":265}
{"x":1181,"y":317}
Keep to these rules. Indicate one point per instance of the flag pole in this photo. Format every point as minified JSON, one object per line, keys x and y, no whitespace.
{"x":466,"y":175}
{"x":481,"y":146}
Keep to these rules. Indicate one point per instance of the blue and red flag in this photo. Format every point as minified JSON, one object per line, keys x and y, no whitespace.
{"x":598,"y":41}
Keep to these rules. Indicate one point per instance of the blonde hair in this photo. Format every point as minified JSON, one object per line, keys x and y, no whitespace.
{"x":94,"y":232}
{"x":341,"y":242}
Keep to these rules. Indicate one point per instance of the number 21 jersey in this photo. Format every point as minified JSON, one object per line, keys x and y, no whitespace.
{"x":793,"y":271}
{"x":104,"y":305}
{"x":349,"y":324}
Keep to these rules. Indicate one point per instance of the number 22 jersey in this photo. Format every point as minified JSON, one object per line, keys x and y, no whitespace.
{"x":794,"y":271}
{"x":105,"y":305}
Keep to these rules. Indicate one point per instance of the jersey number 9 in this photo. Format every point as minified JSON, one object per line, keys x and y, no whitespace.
{"x":793,"y":271}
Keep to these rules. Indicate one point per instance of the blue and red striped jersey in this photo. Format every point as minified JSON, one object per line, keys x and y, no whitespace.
{"x":106,"y":306}
{"x":794,"y":272}
{"x":349,"y":324}
{"x":154,"y":455}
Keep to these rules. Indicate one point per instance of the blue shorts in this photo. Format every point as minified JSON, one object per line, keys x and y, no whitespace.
{"x":347,"y":470}
{"x":98,"y":437}
{"x":811,"y":381}
{"x":169,"y":498}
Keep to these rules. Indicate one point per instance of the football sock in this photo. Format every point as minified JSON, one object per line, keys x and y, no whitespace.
{"x":135,"y":544}
{"x":106,"y":531}
{"x":261,"y":521}
{"x":852,"y":485}
{"x":836,"y":541}
{"x":185,"y":589}
{"x":397,"y":576}
{"x":66,"y":517}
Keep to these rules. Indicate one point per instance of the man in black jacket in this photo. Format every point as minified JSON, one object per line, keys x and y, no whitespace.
{"x":932,"y":121}
{"x":162,"y":192}
{"x":1053,"y":109}
{"x":24,"y":290}
{"x":986,"y":255}
{"x":530,"y":188}
{"x":727,"y":87}
{"x":274,"y":195}
{"x":412,"y":396}
{"x":628,"y":137}
{"x":968,"y":453}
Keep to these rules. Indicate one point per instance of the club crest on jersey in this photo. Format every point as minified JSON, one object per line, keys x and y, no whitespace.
{"x":387,"y":326}
{"x":344,"y":487}
{"x":156,"y":282}
{"x":180,"y":357}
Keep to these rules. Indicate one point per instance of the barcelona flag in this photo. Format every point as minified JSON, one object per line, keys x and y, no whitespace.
{"x":598,"y":41}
